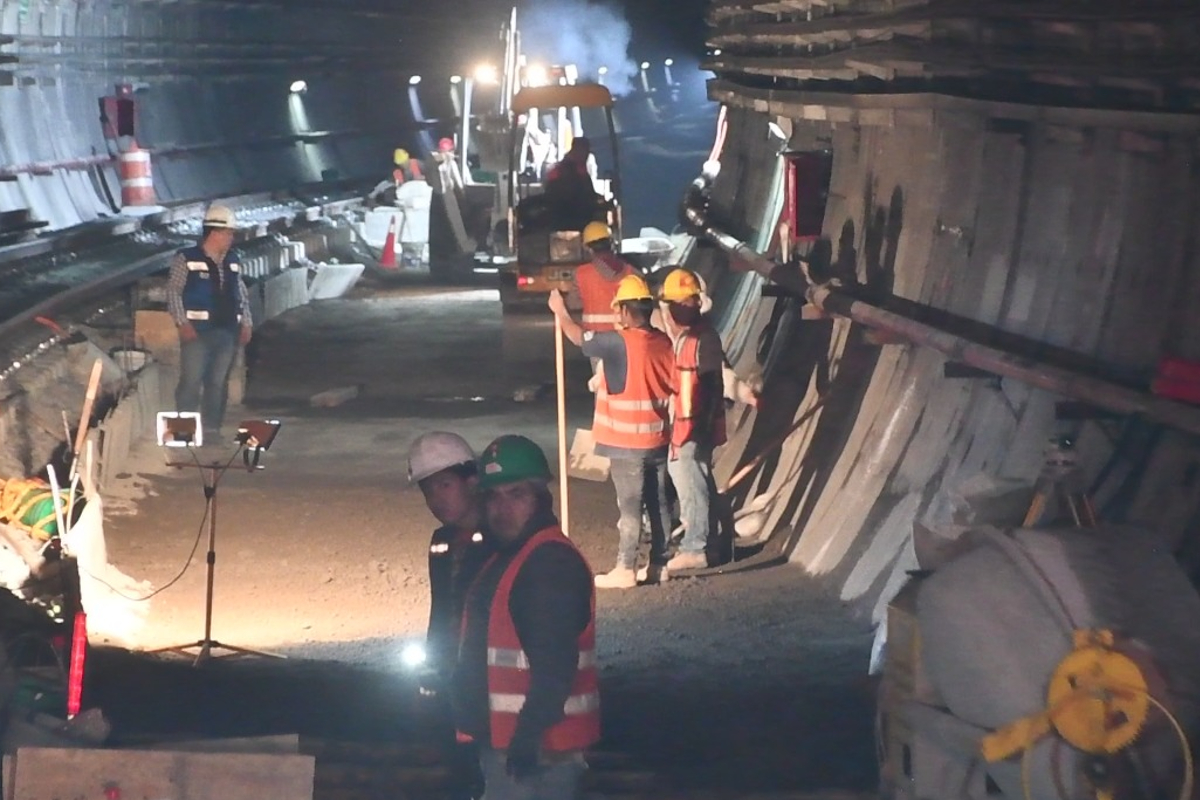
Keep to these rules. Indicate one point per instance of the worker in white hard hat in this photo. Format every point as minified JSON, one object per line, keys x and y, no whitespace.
{"x":443,"y":465}
{"x":208,"y":302}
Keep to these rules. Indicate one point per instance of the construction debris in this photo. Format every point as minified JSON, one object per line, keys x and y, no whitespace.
{"x":334,"y":397}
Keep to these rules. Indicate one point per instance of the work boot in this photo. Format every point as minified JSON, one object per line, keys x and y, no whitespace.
{"x":653,"y":573}
{"x":686,"y":561}
{"x":619,"y":578}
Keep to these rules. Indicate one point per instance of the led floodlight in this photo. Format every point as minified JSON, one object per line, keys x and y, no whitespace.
{"x":179,"y":429}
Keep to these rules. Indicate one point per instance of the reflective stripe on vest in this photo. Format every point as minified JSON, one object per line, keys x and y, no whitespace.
{"x":516,"y":659}
{"x":196,"y":315}
{"x":683,"y":420}
{"x":597,"y":293}
{"x":576,"y":704}
{"x":636,"y":419}
{"x":593,"y":322}
{"x":628,"y":427}
{"x":509,"y":672}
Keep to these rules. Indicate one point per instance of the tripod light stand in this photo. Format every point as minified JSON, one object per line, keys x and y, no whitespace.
{"x":249,"y":442}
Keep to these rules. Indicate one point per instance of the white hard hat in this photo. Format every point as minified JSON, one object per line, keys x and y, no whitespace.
{"x":433,"y":452}
{"x":219,"y":217}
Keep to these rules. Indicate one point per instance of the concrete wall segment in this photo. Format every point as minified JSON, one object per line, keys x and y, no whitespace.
{"x":1078,"y":241}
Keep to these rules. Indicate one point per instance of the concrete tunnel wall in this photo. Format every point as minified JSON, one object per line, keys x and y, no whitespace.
{"x":1081,"y":235}
{"x":212,"y":95}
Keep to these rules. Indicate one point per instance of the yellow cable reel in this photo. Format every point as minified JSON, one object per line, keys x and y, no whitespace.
{"x":1098,"y":701}
{"x":1098,"y":695}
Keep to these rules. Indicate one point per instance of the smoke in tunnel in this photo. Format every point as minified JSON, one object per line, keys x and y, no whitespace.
{"x":589,"y":35}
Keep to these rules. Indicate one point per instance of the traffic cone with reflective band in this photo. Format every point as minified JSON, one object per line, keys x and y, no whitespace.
{"x":387,"y":259}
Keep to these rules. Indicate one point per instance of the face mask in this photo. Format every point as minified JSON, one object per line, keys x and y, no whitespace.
{"x":685,"y":316}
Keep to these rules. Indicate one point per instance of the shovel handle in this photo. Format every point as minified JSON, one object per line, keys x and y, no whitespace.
{"x":560,"y":378}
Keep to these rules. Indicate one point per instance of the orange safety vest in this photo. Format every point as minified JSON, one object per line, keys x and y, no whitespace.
{"x":684,"y":423}
{"x":508,"y":666}
{"x":597,"y":295}
{"x":637,"y":418}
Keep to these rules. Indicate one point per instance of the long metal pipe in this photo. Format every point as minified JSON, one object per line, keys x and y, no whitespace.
{"x":1007,"y":363}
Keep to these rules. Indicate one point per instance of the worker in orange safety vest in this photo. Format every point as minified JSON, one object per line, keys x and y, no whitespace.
{"x":594,"y":283}
{"x":697,"y":414}
{"x":630,"y":425}
{"x":526,"y":686}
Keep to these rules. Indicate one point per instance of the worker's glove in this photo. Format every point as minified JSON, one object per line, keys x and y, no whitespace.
{"x":522,"y":761}
{"x":594,"y":383}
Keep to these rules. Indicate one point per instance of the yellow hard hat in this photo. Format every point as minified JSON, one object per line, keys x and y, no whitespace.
{"x":400,"y":157}
{"x":595,"y":231}
{"x":680,"y":284}
{"x":631,"y":287}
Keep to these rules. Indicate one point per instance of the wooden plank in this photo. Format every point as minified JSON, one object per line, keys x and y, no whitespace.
{"x":52,"y":774}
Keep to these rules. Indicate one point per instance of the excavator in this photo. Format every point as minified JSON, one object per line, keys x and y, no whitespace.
{"x":545,"y":245}
{"x":502,"y":223}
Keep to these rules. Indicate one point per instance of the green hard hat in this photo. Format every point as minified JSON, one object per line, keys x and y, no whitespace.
{"x":509,"y":459}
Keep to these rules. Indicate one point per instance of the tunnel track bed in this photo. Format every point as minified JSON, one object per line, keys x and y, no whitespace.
{"x":45,"y":276}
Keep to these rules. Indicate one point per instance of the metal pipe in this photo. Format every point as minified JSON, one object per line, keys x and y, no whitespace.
{"x":1009,"y":364}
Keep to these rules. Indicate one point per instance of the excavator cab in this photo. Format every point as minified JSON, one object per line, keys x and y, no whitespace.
{"x":550,"y":202}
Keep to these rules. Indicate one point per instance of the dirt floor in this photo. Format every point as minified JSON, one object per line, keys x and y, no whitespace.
{"x":755,"y":680}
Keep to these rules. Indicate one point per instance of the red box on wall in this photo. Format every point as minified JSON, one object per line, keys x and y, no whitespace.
{"x":1177,"y":379}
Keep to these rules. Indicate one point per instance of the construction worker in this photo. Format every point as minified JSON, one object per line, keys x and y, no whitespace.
{"x":443,"y":466}
{"x":697,"y":413}
{"x":594,"y":283}
{"x":211,"y":309}
{"x":526,"y":684}
{"x":630,"y":425}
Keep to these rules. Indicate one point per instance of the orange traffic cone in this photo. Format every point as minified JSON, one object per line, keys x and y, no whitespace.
{"x":387,"y":259}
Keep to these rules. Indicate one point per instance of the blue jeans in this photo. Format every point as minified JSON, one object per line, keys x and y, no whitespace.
{"x":558,"y":779}
{"x":641,"y":483}
{"x":691,"y":472}
{"x":204,"y":367}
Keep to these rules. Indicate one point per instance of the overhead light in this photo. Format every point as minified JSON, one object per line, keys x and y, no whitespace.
{"x":603,"y":70}
{"x":299,"y":87}
{"x":456,"y":79}
{"x":412,"y":655}
{"x":717,"y":52}
{"x":414,"y":80}
{"x":536,"y":75}
{"x":776,"y":131}
{"x":486,"y":73}
{"x":670,"y":62}
{"x":645,"y":65}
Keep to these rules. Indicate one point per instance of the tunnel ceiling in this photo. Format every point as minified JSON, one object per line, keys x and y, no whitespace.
{"x":1083,"y":54}
{"x":227,"y":39}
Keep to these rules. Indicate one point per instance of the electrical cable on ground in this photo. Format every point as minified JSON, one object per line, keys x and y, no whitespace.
{"x":195,"y":544}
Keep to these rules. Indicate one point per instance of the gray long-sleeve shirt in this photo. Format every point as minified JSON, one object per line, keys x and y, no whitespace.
{"x":177,"y":279}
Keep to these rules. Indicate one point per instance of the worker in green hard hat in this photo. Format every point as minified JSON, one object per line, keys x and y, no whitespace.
{"x":526,"y":682}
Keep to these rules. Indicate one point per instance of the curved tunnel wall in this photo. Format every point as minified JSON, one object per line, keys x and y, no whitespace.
{"x":212,"y":94}
{"x":1075,"y":229}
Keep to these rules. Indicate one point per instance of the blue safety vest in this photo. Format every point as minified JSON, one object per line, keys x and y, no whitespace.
{"x":209,"y":301}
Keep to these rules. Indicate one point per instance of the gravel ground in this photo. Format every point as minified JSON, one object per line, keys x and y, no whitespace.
{"x":754,"y":679}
